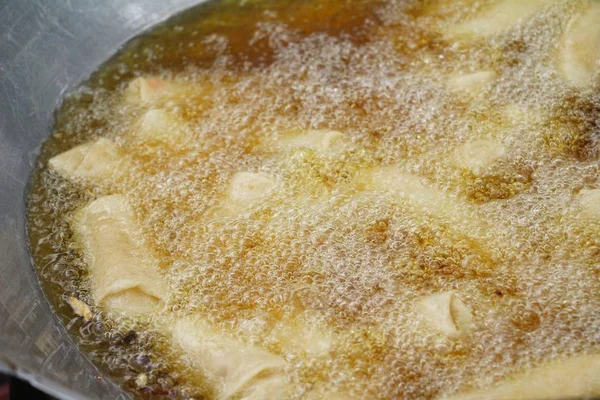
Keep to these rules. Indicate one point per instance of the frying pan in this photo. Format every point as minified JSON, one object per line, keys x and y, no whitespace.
{"x":48,"y":47}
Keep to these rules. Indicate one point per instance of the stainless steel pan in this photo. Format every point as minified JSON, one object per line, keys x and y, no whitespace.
{"x":47,"y":47}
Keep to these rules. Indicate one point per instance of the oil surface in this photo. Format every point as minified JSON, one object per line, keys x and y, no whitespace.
{"x":322,"y":249}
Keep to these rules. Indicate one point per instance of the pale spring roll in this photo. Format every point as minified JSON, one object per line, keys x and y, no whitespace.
{"x":500,"y":18}
{"x":236,"y":370}
{"x":94,"y":161}
{"x":579,"y":54}
{"x":320,"y":140}
{"x":575,"y":378}
{"x":160,"y":125}
{"x":446,"y":313}
{"x":478,"y":155}
{"x":123,"y":272}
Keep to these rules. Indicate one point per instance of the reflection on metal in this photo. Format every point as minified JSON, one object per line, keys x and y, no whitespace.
{"x":46,"y":49}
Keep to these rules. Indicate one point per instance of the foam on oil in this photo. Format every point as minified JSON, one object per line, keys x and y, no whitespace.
{"x":343,"y":261}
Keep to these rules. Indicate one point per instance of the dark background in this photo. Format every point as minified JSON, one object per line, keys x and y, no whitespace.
{"x":15,"y":389}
